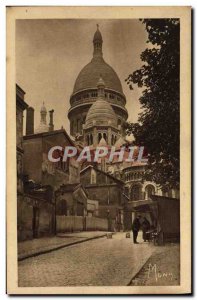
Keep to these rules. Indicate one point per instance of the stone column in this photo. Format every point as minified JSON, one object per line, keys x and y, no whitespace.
{"x":109,"y":136}
{"x":95,"y":138}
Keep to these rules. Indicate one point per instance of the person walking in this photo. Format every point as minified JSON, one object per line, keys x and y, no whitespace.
{"x":145,"y":228}
{"x":135,"y":228}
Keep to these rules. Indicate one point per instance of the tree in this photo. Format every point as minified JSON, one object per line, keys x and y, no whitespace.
{"x":158,"y":126}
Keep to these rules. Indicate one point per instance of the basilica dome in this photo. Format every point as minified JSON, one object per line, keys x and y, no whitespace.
{"x":89,"y":76}
{"x":85,"y":93}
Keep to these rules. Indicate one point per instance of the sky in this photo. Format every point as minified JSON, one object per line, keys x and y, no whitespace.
{"x":50,"y":54}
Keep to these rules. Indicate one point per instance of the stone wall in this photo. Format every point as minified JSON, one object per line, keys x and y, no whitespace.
{"x":33,"y":158}
{"x":24,"y":219}
{"x":105,"y":194}
{"x":35,"y":218}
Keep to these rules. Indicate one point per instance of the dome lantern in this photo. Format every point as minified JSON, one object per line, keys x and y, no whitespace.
{"x":97,"y":41}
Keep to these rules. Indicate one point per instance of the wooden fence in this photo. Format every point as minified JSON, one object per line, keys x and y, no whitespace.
{"x":78,"y":223}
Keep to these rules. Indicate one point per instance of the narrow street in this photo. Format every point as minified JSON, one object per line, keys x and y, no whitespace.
{"x":95,"y":263}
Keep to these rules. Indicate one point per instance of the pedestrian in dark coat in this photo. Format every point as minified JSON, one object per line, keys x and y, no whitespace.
{"x":145,"y":228}
{"x":135,"y":228}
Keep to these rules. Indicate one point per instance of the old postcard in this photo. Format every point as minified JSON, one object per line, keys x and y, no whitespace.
{"x":98,"y":150}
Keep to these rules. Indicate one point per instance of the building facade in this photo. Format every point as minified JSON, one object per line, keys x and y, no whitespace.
{"x":108,"y":191}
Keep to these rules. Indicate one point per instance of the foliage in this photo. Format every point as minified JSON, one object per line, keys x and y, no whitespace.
{"x":158,"y":126}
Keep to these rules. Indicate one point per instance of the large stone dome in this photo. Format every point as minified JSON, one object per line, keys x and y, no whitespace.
{"x":89,"y":76}
{"x":85,"y":92}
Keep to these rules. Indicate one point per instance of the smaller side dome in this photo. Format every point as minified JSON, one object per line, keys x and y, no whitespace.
{"x":101,"y":112}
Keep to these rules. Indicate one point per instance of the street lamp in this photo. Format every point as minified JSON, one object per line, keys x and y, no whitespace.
{"x":108,"y":212}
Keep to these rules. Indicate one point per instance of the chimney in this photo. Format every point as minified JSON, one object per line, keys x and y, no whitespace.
{"x":30,"y":121}
{"x":51,"y":125}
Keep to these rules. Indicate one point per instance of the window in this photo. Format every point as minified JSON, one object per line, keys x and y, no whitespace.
{"x":91,"y":139}
{"x":136,"y":192}
{"x":126,"y":191}
{"x":87,"y":139}
{"x":105,"y":136}
{"x":99,"y":137}
{"x":93,"y":177}
{"x":149,"y":190}
{"x":94,"y":94}
{"x":112,"y":139}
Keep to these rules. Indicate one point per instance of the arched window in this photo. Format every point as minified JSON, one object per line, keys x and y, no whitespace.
{"x":136,"y":192}
{"x":112,"y":139}
{"x":87,"y":140}
{"x":149,"y":190}
{"x":126,"y":191}
{"x":72,"y":126}
{"x":119,"y":121}
{"x":105,"y":136}
{"x":99,"y":136}
{"x":91,"y":139}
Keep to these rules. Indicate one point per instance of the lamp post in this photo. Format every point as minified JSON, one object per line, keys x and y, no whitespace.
{"x":108,"y":219}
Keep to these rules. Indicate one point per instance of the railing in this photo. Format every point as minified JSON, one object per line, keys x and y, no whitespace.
{"x":74,"y":103}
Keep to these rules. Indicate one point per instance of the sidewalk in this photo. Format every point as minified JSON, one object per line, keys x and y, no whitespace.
{"x":39,"y":246}
{"x":162,"y":268}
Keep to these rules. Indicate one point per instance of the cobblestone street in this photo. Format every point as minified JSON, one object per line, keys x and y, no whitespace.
{"x":97,"y":262}
{"x":36,"y":246}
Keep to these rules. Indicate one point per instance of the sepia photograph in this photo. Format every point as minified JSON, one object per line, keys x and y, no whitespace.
{"x":100,"y":195}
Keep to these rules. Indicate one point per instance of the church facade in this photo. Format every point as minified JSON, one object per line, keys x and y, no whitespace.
{"x":97,"y":116}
